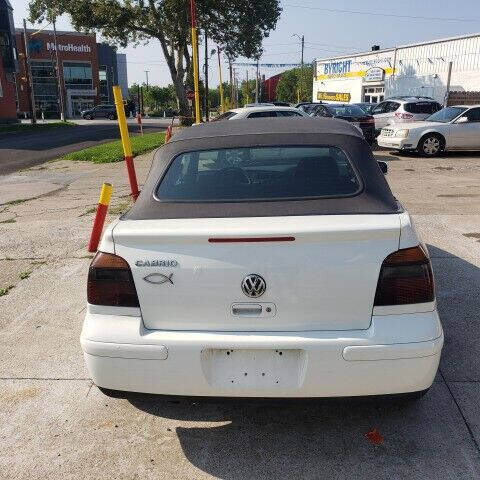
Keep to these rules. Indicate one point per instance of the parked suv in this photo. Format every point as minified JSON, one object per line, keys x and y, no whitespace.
{"x":100,"y":111}
{"x":403,"y":110}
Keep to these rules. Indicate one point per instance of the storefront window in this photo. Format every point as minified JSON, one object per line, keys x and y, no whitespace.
{"x":103,"y":77}
{"x":6,"y":51}
{"x":45,"y":86}
{"x":78,"y":76}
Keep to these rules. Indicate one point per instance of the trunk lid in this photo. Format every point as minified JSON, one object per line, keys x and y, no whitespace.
{"x":325,"y":279}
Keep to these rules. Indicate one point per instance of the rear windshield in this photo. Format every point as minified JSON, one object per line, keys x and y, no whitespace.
{"x":422,"y":107}
{"x":224,"y":116}
{"x":259,"y":173}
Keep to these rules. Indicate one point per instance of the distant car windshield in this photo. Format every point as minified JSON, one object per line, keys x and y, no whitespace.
{"x":259,"y":174}
{"x":446,"y":114}
{"x":367,"y":107}
{"x":346,"y":111}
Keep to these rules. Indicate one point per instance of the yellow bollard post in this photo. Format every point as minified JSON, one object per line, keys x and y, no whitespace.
{"x":127,"y":147}
{"x":100,"y":215}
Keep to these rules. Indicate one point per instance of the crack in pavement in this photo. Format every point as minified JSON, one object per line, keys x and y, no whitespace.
{"x":467,"y":425}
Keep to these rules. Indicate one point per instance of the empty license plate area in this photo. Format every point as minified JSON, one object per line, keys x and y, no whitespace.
{"x":254,"y":369}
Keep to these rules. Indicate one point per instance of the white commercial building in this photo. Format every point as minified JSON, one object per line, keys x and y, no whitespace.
{"x":416,"y":69}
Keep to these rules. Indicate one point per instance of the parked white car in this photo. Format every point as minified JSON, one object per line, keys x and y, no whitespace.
{"x":263,"y":259}
{"x":261,"y":112}
{"x":452,"y":128}
{"x":406,"y":109}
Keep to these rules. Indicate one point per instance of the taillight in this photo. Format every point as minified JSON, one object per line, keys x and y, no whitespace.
{"x":110,"y":282}
{"x":403,"y":115}
{"x":406,"y":277}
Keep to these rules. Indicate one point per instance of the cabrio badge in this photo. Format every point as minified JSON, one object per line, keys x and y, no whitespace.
{"x":156,"y":263}
{"x":159,"y":278}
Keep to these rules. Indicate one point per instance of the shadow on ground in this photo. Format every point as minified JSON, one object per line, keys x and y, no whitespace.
{"x":423,"y":439}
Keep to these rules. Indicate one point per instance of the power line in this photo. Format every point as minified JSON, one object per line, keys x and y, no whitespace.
{"x":410,"y":17}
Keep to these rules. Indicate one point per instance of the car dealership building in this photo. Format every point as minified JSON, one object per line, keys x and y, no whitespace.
{"x":426,"y":69}
{"x":85,"y":75}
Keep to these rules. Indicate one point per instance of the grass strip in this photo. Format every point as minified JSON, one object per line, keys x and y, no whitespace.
{"x":28,"y":127}
{"x":113,"y":151}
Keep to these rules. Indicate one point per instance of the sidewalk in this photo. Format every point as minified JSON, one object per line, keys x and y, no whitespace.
{"x":46,"y":212}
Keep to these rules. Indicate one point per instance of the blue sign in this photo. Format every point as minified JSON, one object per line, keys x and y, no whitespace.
{"x":35,"y":46}
{"x":335,"y":68}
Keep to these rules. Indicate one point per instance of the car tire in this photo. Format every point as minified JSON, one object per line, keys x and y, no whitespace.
{"x":431,"y":145}
{"x":112,"y":117}
{"x":88,"y":117}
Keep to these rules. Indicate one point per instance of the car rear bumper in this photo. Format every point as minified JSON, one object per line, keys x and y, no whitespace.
{"x":396,"y":143}
{"x":397,"y":354}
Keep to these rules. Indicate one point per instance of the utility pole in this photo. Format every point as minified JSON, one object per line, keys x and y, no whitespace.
{"x":207,"y":112}
{"x":256,"y":84}
{"x":193,"y":18}
{"x":231,"y":82}
{"x":449,"y":78}
{"x":247,"y":99}
{"x":222,"y":100}
{"x":60,"y":78}
{"x":302,"y":38}
{"x":146,"y":74}
{"x":28,"y":73}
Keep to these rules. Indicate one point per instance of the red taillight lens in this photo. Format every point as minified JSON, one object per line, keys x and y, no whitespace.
{"x":406,"y":277}
{"x":110,"y":282}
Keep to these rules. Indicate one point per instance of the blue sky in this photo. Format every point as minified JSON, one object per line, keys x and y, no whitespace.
{"x":327,"y":32}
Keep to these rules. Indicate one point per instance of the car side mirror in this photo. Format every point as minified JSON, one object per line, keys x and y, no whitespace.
{"x":383,"y":167}
{"x":462,"y":120}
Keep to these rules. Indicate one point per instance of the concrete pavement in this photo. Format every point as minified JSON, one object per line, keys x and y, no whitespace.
{"x":54,"y":423}
{"x":25,"y":149}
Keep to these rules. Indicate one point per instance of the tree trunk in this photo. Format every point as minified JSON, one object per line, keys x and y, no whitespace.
{"x":177,"y":73}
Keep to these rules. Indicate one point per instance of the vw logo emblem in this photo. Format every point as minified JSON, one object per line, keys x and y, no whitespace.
{"x":253,"y":285}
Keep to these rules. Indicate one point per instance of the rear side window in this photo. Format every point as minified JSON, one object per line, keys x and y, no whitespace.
{"x":392,"y":107}
{"x":259,"y":174}
{"x":288,"y":113}
{"x":224,"y":116}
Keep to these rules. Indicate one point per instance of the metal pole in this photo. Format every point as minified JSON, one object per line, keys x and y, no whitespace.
{"x":222,"y":100}
{"x":207,"y":112}
{"x":28,"y":73}
{"x":449,"y":78}
{"x":301,"y":71}
{"x":60,"y":78}
{"x":256,"y":84}
{"x":230,"y":68}
{"x":195,"y":60}
{"x":146,"y":74}
{"x":246,"y":90}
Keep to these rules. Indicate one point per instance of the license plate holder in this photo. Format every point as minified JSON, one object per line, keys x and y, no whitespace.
{"x":254,"y":369}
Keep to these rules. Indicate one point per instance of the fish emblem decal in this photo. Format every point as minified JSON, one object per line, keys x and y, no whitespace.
{"x":159,"y":278}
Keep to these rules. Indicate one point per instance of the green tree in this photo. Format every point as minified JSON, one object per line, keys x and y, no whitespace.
{"x":291,"y":85}
{"x":237,"y":26}
{"x":155,"y":97}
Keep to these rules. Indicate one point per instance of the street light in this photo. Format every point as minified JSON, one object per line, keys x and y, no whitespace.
{"x":302,"y":39}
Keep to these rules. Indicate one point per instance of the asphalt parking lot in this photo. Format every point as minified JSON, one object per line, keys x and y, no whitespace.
{"x":54,"y":423}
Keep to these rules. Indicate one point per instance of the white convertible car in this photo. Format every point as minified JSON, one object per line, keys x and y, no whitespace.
{"x":452,"y":128}
{"x":263,"y":258}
